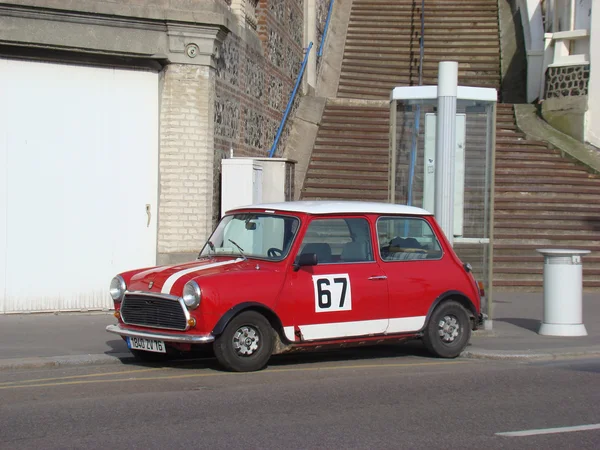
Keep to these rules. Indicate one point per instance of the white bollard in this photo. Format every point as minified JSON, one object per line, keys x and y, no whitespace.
{"x":563,"y":289}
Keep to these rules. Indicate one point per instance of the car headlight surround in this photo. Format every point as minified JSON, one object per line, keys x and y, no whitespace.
{"x":117,"y":288}
{"x":191,"y":295}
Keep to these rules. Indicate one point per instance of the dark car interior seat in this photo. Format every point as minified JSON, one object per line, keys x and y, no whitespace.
{"x":355,"y":251}
{"x":322,"y":250}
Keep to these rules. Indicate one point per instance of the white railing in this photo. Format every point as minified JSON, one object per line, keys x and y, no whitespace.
{"x":567,"y":37}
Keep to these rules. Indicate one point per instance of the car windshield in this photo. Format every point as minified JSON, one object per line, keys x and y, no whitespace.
{"x":253,"y":235}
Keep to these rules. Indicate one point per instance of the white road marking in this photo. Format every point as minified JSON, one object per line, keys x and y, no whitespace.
{"x":594,"y":426}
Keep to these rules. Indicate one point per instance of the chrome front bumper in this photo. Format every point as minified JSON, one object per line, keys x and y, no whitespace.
{"x":167,"y":337}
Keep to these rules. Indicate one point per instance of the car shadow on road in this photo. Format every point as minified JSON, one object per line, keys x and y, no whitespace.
{"x":204,"y":358}
{"x":528,"y":324}
{"x":381,"y":351}
{"x":116,"y":346}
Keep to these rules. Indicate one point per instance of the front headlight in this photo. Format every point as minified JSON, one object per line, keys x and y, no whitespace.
{"x":117,"y":288}
{"x":191,"y":295}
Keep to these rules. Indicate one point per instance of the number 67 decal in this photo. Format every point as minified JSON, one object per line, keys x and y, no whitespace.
{"x":332,"y":292}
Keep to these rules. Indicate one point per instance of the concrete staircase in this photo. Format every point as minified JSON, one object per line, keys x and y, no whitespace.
{"x":541,"y":199}
{"x":382,"y":45}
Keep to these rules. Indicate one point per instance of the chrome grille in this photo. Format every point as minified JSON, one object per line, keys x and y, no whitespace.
{"x":152,"y":311}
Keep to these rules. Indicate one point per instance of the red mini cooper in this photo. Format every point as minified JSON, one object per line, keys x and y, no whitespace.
{"x":279,"y":277}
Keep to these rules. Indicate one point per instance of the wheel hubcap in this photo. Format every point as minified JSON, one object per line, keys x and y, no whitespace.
{"x":246,"y":340}
{"x":448,"y":328}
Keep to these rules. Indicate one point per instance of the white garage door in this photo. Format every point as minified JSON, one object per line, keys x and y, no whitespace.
{"x":78,"y":182}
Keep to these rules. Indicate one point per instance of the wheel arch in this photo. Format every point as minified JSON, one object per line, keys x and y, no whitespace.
{"x":458,"y":297}
{"x":269,"y":314}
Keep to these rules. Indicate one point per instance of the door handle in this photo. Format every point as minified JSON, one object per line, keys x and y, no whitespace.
{"x":379,"y":277}
{"x":149,"y":214}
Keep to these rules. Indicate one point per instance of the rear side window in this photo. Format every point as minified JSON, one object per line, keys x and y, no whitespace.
{"x":406,"y":239}
{"x":338,"y":240}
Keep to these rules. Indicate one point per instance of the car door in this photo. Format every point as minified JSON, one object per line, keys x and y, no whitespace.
{"x":411,"y":258}
{"x":345,"y":294}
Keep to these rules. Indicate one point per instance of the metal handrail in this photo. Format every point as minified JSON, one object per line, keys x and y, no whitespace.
{"x":320,"y":52}
{"x":290,"y":102}
{"x":422,"y":42}
{"x":417,"y":125}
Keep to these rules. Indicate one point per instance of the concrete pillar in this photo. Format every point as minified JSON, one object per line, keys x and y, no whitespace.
{"x":310,"y":35}
{"x":445,"y":148}
{"x":186,"y":161}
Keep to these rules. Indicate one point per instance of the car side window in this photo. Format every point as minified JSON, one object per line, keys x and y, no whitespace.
{"x":406,"y":239}
{"x":338,"y":241}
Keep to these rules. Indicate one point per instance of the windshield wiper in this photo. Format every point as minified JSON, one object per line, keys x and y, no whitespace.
{"x":212,"y":249}
{"x":239,"y":248}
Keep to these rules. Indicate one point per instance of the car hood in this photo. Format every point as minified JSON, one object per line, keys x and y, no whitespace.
{"x":171,"y":279}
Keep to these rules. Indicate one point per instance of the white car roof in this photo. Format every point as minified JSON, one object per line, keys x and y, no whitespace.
{"x":338,"y":207}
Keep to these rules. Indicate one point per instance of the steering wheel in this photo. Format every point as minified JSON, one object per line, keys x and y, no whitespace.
{"x":274,"y":252}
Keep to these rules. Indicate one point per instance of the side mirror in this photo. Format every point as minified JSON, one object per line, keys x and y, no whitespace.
{"x":305,"y":260}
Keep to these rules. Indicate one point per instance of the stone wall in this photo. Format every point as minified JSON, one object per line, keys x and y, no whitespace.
{"x":568,"y":81}
{"x":255,"y":73}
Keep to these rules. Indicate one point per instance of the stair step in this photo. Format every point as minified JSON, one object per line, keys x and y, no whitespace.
{"x":587,"y":259}
{"x":332,"y":195}
{"x":341,"y":168}
{"x":536,"y":206}
{"x":430,"y":3}
{"x":339,"y":175}
{"x":361,"y":76}
{"x":345,"y":185}
{"x":532,"y":184}
{"x":414,"y":36}
{"x":360,"y":159}
{"x":331,"y":151}
{"x":343,"y":139}
{"x":387,"y":29}
{"x":540,"y":270}
{"x":429,"y":60}
{"x":529,"y":168}
{"x":453,"y":44}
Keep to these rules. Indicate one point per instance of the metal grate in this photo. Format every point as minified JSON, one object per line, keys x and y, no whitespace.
{"x":155,"y":312}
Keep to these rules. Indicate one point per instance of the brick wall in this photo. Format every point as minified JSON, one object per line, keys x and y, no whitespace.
{"x":187,"y":175}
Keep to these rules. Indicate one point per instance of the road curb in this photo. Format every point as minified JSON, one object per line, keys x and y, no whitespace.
{"x":509,"y":355}
{"x":65,"y":361}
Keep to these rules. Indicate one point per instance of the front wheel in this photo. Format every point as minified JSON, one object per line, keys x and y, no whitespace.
{"x":448,"y":331}
{"x":246,"y":344}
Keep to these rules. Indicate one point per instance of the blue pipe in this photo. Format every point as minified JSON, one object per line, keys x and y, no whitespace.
{"x":290,"y":102}
{"x":320,"y":52}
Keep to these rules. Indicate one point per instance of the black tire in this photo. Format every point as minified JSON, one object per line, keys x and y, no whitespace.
{"x":150,"y":357}
{"x":250,"y":354}
{"x":448,"y":330}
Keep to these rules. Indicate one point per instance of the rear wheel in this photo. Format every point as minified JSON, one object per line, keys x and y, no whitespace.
{"x":246,"y":344}
{"x":448,"y":331}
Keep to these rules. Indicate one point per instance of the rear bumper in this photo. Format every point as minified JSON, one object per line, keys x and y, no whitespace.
{"x":167,"y":337}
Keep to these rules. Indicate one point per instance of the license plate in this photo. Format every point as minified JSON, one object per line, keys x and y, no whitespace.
{"x":148,"y":345}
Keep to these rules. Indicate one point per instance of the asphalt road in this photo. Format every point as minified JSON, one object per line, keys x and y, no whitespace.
{"x":355,"y":399}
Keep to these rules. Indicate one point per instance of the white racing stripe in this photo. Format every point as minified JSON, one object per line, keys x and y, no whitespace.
{"x":361,"y":328}
{"x":594,"y":426}
{"x":166,"y":289}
